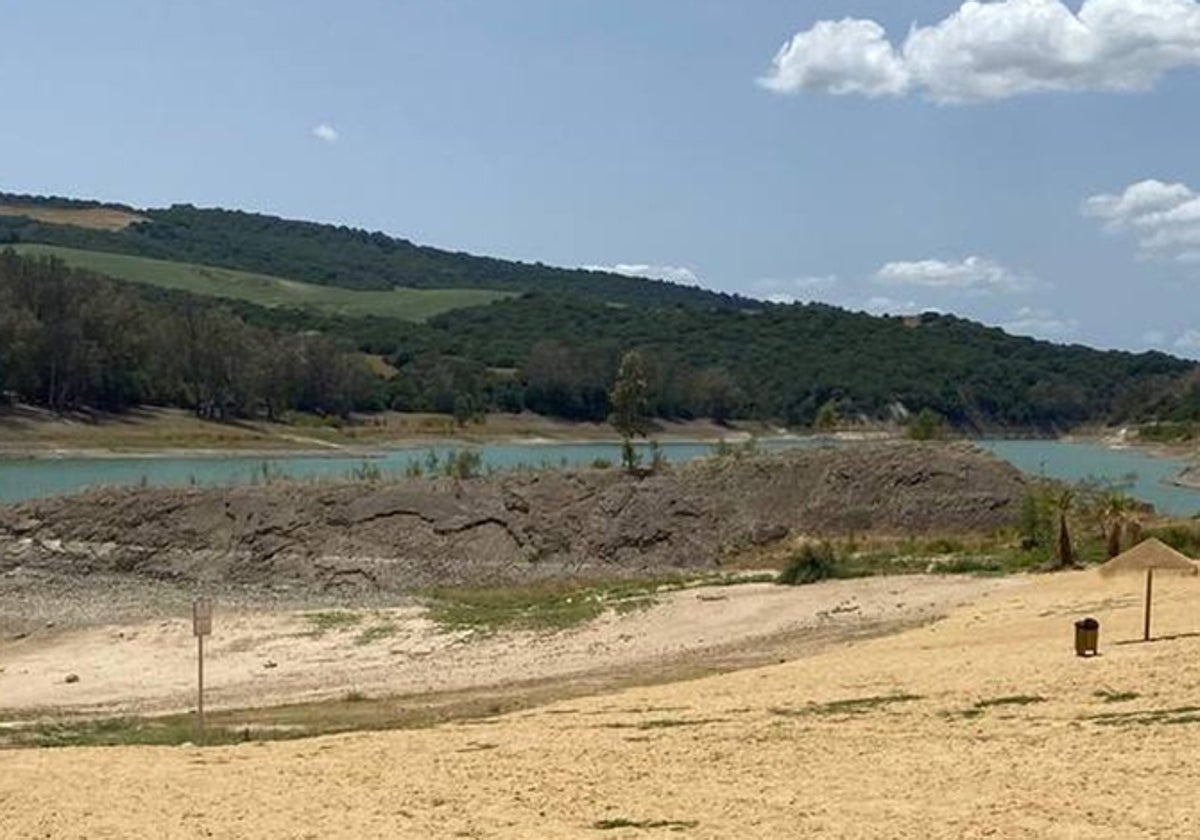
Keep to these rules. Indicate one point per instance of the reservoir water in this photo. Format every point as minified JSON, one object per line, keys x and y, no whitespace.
{"x":31,"y":478}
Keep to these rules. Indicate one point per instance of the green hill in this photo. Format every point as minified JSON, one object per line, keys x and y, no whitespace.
{"x":321,"y":254}
{"x":265,"y":290}
{"x":473,"y":334}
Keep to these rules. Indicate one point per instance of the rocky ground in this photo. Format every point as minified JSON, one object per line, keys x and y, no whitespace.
{"x":368,"y":538}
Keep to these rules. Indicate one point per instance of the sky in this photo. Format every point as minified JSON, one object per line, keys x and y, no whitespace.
{"x":1030,"y":164}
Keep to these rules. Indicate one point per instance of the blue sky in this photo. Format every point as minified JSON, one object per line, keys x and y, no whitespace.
{"x":1027,"y":163}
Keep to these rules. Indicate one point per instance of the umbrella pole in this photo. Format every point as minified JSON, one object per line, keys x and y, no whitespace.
{"x":1149,"y":587}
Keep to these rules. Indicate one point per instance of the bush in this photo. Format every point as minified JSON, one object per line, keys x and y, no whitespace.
{"x":809,"y":565}
{"x":1181,"y":537}
{"x":463,"y":463}
{"x":601,"y":464}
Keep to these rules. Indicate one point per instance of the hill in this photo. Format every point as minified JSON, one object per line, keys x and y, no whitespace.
{"x":550,"y":340}
{"x":326,"y":255}
{"x":790,"y":362}
{"x":265,"y":290}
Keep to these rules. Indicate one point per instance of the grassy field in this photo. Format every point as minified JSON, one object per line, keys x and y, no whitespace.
{"x":265,"y":290}
{"x":96,"y":218}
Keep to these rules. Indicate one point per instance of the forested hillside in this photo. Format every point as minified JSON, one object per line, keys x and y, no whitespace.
{"x":70,"y":338}
{"x":332,"y":255}
{"x":786,"y":363}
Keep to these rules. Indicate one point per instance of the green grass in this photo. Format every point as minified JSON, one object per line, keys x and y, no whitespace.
{"x":1179,"y":715}
{"x":851,"y":706}
{"x":266,"y":290}
{"x":625,"y":822}
{"x":1013,"y":700}
{"x":332,"y":620}
{"x":375,"y":633}
{"x":558,"y":605}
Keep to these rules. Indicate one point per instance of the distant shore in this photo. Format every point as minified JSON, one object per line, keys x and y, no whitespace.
{"x":162,"y":432}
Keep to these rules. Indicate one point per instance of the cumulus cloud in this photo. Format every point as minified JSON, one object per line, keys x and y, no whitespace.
{"x":883,"y":305}
{"x":670,"y":273}
{"x":1037,"y":321}
{"x":325,"y":132}
{"x":792,"y":289}
{"x":1190,"y":340}
{"x":996,"y":50}
{"x":1165,"y":218}
{"x":839,"y":57}
{"x":975,"y":274}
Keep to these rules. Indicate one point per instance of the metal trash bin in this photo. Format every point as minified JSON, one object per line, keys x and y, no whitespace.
{"x":1087,"y":637}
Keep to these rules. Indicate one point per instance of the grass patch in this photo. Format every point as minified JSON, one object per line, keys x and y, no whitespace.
{"x":554,"y":605}
{"x":266,"y":290}
{"x":376,"y":633}
{"x":851,"y":706}
{"x":127,"y":731}
{"x":625,"y":822}
{"x":1116,"y":696}
{"x":1177,"y":716}
{"x":663,"y":723}
{"x":1012,"y":700}
{"x":326,"y":620}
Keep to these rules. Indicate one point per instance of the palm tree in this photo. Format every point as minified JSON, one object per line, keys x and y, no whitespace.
{"x":1117,"y":515}
{"x":1064,"y":550}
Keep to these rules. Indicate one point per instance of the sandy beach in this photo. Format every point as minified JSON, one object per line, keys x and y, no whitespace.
{"x":984,"y":724}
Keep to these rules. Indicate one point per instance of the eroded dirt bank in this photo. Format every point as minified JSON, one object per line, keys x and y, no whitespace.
{"x":397,"y":536}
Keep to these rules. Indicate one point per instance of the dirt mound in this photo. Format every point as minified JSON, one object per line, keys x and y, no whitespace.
{"x":399,"y":535}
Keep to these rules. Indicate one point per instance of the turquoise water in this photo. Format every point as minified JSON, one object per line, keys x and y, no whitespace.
{"x":39,"y":477}
{"x":1077,"y":461}
{"x":31,"y":478}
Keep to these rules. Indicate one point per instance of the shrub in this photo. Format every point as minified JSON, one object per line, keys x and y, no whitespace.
{"x":809,"y":565}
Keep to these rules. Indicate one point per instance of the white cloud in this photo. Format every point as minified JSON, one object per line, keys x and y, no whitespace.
{"x":1164,"y":217}
{"x":976,"y":274}
{"x":883,"y":305}
{"x":792,"y":289}
{"x":995,"y":50}
{"x":1033,"y":320}
{"x":1190,"y":340}
{"x":670,"y":273}
{"x":839,"y":57}
{"x":325,"y":132}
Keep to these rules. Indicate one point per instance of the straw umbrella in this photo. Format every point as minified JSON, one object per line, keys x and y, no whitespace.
{"x":1145,"y":557}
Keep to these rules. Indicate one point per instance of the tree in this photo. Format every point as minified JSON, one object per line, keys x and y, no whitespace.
{"x":927,"y":425}
{"x":630,"y":415}
{"x":827,"y":417}
{"x":1064,"y":550}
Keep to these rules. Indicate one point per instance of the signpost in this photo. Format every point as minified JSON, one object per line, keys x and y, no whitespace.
{"x":201,"y":627}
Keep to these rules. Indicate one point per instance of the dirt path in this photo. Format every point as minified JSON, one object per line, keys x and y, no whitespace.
{"x":263,"y":657}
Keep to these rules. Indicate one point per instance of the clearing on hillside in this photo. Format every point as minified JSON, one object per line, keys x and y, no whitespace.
{"x":95,"y":218}
{"x":266,"y":290}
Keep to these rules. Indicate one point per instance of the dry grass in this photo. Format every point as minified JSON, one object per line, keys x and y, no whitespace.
{"x":95,"y":218}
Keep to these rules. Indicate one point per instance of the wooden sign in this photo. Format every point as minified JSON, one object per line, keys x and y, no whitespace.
{"x":202,"y":617}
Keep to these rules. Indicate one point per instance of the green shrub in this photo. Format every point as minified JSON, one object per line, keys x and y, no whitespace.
{"x":809,"y":565}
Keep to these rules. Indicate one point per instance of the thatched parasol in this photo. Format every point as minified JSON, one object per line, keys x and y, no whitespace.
{"x":1147,"y":556}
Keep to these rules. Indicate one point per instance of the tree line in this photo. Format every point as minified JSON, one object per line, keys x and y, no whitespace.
{"x":70,"y":339}
{"x":335,"y":255}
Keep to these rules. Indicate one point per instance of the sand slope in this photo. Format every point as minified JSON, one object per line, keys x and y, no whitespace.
{"x":749,"y":754}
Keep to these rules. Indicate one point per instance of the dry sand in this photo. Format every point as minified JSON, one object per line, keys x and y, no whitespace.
{"x":260,"y":657}
{"x":756,"y":753}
